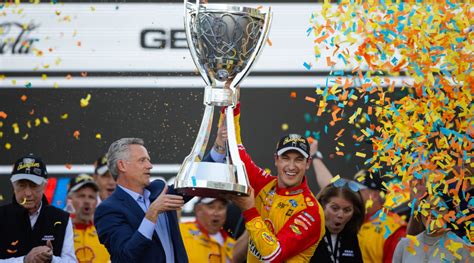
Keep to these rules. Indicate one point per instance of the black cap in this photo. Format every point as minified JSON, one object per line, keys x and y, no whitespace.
{"x":294,"y":142}
{"x":80,"y":181}
{"x":101,"y":167}
{"x":30,"y":168}
{"x":370,"y":180}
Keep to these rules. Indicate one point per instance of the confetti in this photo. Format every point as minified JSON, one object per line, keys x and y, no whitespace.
{"x":76,"y":134}
{"x":64,"y":116}
{"x":85,"y":101}
{"x":98,"y":136}
{"x":293,"y":94}
{"x":3,"y":115}
{"x":284,"y":126}
{"x":8,"y":146}
{"x":23,"y":98}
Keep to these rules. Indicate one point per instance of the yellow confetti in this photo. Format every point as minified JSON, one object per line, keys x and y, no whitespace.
{"x":13,"y":81}
{"x":45,"y":120}
{"x":44,"y":76}
{"x":1,"y":198}
{"x":57,"y":223}
{"x":1,"y":124}
{"x":15,"y":127}
{"x":1,"y":134}
{"x":55,"y":85}
{"x":64,"y":116}
{"x":98,"y":136}
{"x":8,"y":146}
{"x":37,"y":122}
{"x":28,"y":124}
{"x":284,"y":126}
{"x":85,"y":101}
{"x":369,"y":204}
{"x":359,"y":154}
{"x":25,"y":137}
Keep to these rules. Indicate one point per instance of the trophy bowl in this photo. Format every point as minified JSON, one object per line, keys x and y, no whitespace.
{"x":224,"y":41}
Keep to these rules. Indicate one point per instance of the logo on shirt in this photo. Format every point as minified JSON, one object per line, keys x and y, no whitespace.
{"x":295,"y":229}
{"x":268,"y":238}
{"x":293,"y":203}
{"x":301,"y":223}
{"x":48,"y":237}
{"x":348,"y":253}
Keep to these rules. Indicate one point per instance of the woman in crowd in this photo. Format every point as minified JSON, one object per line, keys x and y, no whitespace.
{"x":344,"y":214}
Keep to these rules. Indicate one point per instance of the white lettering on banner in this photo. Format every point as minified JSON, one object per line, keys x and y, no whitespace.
{"x":130,"y":37}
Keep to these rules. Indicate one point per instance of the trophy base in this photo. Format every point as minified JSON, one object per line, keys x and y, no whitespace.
{"x":212,"y":189}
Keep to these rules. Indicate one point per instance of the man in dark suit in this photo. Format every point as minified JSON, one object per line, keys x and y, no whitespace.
{"x":138,"y":222}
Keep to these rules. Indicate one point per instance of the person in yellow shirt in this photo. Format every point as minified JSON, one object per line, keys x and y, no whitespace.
{"x":83,"y":192}
{"x":204,"y":239}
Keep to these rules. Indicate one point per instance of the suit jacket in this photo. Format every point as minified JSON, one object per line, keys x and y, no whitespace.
{"x":117,"y":220}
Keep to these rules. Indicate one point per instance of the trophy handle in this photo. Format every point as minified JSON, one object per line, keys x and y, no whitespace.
{"x":258,"y":48}
{"x":233,"y":150}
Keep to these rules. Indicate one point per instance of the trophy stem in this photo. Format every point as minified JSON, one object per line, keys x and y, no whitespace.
{"x":233,"y":149}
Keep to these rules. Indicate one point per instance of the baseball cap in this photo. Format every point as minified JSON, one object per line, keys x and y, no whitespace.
{"x":101,"y":165}
{"x":366,"y":179}
{"x":208,"y":200}
{"x":294,"y":142}
{"x":30,"y":168}
{"x":80,"y":181}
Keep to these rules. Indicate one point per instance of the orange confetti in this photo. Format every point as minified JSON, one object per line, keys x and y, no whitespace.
{"x":76,"y":134}
{"x":293,"y":94}
{"x":310,"y":99}
{"x":269,"y":41}
{"x":79,"y":43}
{"x":23,"y":98}
{"x":3,"y":115}
{"x":329,"y":62}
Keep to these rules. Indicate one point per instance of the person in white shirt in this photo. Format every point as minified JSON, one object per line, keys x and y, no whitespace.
{"x":32,"y":230}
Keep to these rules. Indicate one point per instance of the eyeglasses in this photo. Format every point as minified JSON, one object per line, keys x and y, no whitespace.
{"x":354,"y":186}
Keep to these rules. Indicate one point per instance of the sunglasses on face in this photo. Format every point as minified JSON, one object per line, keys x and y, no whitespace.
{"x":354,"y":186}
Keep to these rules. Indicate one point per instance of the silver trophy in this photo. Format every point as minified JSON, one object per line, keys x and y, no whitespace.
{"x":224,"y":42}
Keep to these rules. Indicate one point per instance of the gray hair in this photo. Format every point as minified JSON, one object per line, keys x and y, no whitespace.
{"x":119,"y":150}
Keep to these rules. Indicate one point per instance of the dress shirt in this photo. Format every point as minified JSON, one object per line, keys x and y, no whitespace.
{"x":146,"y":227}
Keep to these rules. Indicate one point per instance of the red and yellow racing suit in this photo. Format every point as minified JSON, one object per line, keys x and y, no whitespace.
{"x":87,"y":246}
{"x":200,"y":247}
{"x":379,"y":236}
{"x":286,"y":224}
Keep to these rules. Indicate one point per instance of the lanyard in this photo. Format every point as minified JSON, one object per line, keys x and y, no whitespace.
{"x":334,"y":253}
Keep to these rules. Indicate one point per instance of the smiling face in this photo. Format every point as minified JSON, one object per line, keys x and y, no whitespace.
{"x":28,"y":194}
{"x":338,"y":211}
{"x":84,"y":202}
{"x":211,"y":216}
{"x":136,"y":169}
{"x":291,"y":167}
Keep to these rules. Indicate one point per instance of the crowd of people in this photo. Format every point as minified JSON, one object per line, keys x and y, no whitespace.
{"x":119,"y":215}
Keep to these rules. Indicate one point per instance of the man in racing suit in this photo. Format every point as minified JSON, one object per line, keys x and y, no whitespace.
{"x":284,"y":220}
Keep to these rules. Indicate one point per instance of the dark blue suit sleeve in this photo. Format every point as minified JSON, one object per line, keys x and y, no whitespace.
{"x":124,"y":243}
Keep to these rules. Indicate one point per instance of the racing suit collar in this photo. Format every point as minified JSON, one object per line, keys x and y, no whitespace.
{"x":293,"y":190}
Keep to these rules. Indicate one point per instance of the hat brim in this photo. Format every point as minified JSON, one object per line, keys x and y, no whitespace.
{"x":82,"y":184}
{"x":291,"y":148}
{"x":102,"y":170}
{"x":31,"y":177}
